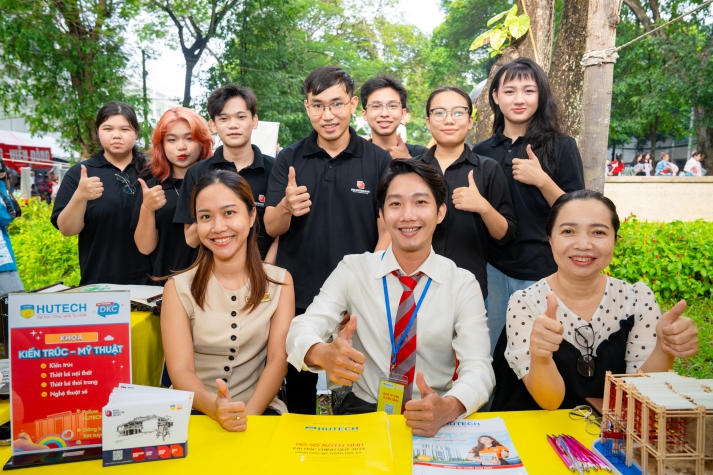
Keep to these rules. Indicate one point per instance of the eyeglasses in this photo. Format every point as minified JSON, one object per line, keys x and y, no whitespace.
{"x":380,"y":106}
{"x":335,"y":108}
{"x":128,"y":188}
{"x":586,"y":413}
{"x":457,"y":113}
{"x":585,"y":363}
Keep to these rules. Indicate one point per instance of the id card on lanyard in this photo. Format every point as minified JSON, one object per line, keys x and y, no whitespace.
{"x":391,"y":389}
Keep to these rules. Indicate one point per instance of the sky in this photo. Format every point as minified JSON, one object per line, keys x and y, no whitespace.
{"x":166,"y":73}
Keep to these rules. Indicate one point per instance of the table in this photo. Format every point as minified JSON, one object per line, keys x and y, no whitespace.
{"x":146,"y":349}
{"x":211,"y":449}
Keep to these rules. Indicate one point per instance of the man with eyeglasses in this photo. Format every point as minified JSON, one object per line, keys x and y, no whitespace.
{"x":321,"y":201}
{"x":383,"y":99}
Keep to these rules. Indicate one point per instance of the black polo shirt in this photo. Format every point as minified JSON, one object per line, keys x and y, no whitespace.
{"x":107,"y":252}
{"x":416,"y":150}
{"x":171,"y":253}
{"x":462,"y":236}
{"x":256,"y":175}
{"x":342,"y":218}
{"x":528,"y":256}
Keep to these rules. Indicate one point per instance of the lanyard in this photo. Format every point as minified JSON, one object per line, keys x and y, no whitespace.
{"x":396,"y":346}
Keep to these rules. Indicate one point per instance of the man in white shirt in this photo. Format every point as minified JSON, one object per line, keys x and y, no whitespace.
{"x":453,"y":374}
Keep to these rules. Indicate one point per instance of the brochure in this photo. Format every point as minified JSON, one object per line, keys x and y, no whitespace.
{"x":357,"y":444}
{"x":67,"y":352}
{"x":467,"y":445}
{"x":143,"y":424}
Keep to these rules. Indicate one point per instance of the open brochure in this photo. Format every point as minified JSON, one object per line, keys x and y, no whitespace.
{"x":358,"y":444}
{"x":467,"y":445}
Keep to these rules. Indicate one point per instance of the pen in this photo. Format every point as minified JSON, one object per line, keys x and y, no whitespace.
{"x":562,"y":456}
{"x":576,"y":465}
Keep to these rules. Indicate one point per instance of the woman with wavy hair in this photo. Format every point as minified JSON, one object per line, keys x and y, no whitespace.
{"x":180,"y":139}
{"x":224,"y":320}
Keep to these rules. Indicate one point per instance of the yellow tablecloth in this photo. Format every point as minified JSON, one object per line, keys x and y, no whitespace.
{"x":146,"y":349}
{"x":213,"y":450}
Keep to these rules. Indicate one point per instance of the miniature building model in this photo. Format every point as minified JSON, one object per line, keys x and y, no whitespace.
{"x":663,"y":415}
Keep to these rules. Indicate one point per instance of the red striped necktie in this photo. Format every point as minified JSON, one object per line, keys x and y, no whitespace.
{"x":405,"y":335}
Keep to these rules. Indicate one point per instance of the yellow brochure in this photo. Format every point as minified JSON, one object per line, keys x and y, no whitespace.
{"x":355,"y":444}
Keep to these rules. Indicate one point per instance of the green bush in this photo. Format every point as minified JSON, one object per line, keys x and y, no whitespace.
{"x":44,"y":256}
{"x":674,"y":259}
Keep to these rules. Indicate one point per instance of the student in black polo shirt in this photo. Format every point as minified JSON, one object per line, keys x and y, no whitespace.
{"x":479,"y":203}
{"x":540,"y":164}
{"x":96,"y":201}
{"x":233,"y":116}
{"x":321,"y":201}
{"x":383,"y":99}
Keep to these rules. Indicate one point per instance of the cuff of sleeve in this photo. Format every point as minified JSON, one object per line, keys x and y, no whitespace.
{"x":297,"y":351}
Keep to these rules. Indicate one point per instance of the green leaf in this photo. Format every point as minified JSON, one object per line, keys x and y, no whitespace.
{"x":500,"y":15}
{"x":482,"y":40}
{"x":519,"y":27}
{"x":498,"y":39}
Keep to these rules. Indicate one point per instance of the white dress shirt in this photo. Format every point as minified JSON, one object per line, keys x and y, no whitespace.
{"x":450,"y":323}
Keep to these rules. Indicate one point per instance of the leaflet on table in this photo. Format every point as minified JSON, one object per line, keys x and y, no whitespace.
{"x":143,"y":297}
{"x":144,"y":424}
{"x":307,"y":445}
{"x":67,"y":352}
{"x":467,"y":445}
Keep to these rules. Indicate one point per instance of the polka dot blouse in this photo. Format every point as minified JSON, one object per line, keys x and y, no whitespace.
{"x":621,"y":300}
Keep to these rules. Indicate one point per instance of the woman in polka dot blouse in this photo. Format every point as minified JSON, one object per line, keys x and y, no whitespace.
{"x":566,"y":330}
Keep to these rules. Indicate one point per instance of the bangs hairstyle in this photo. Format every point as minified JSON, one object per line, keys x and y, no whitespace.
{"x":577,"y":196}
{"x":113,"y":108}
{"x":325,"y":77}
{"x":160,"y":166}
{"x":221,"y":96}
{"x":401,"y":166}
{"x":257,"y":278}
{"x":544,"y":126}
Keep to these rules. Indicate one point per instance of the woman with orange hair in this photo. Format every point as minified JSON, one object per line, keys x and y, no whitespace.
{"x":180,"y":139}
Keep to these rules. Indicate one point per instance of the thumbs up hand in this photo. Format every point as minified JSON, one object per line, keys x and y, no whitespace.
{"x":297,"y":199}
{"x":89,"y":188}
{"x":529,"y":170}
{"x":231,"y":415}
{"x":547,"y":332}
{"x":399,"y":150}
{"x":468,"y":198}
{"x":342,"y":363}
{"x":154,"y":197}
{"x":677,"y":334}
{"x":427,"y":415}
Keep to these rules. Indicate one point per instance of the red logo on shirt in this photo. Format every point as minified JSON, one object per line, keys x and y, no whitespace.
{"x":360,"y":184}
{"x":261,"y":198}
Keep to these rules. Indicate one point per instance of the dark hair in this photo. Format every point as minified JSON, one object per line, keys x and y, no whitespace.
{"x":403,"y":166}
{"x":382,"y":82}
{"x":325,"y":77}
{"x":219,"y":97}
{"x":113,"y":108}
{"x":544,"y":127}
{"x":482,"y":446}
{"x":581,"y":195}
{"x":257,"y":277}
{"x":455,"y":89}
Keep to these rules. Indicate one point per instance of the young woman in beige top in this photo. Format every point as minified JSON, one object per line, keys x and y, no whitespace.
{"x":225,"y":319}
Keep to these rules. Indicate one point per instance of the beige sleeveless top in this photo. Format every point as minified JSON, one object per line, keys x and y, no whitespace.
{"x":230,"y":343}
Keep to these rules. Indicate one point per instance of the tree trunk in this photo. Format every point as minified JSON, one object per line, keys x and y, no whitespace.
{"x":568,"y":76}
{"x":537,"y":44}
{"x":704,"y":136}
{"x":598,"y":65}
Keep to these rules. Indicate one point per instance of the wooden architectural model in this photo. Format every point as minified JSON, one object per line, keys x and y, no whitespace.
{"x":662,"y":417}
